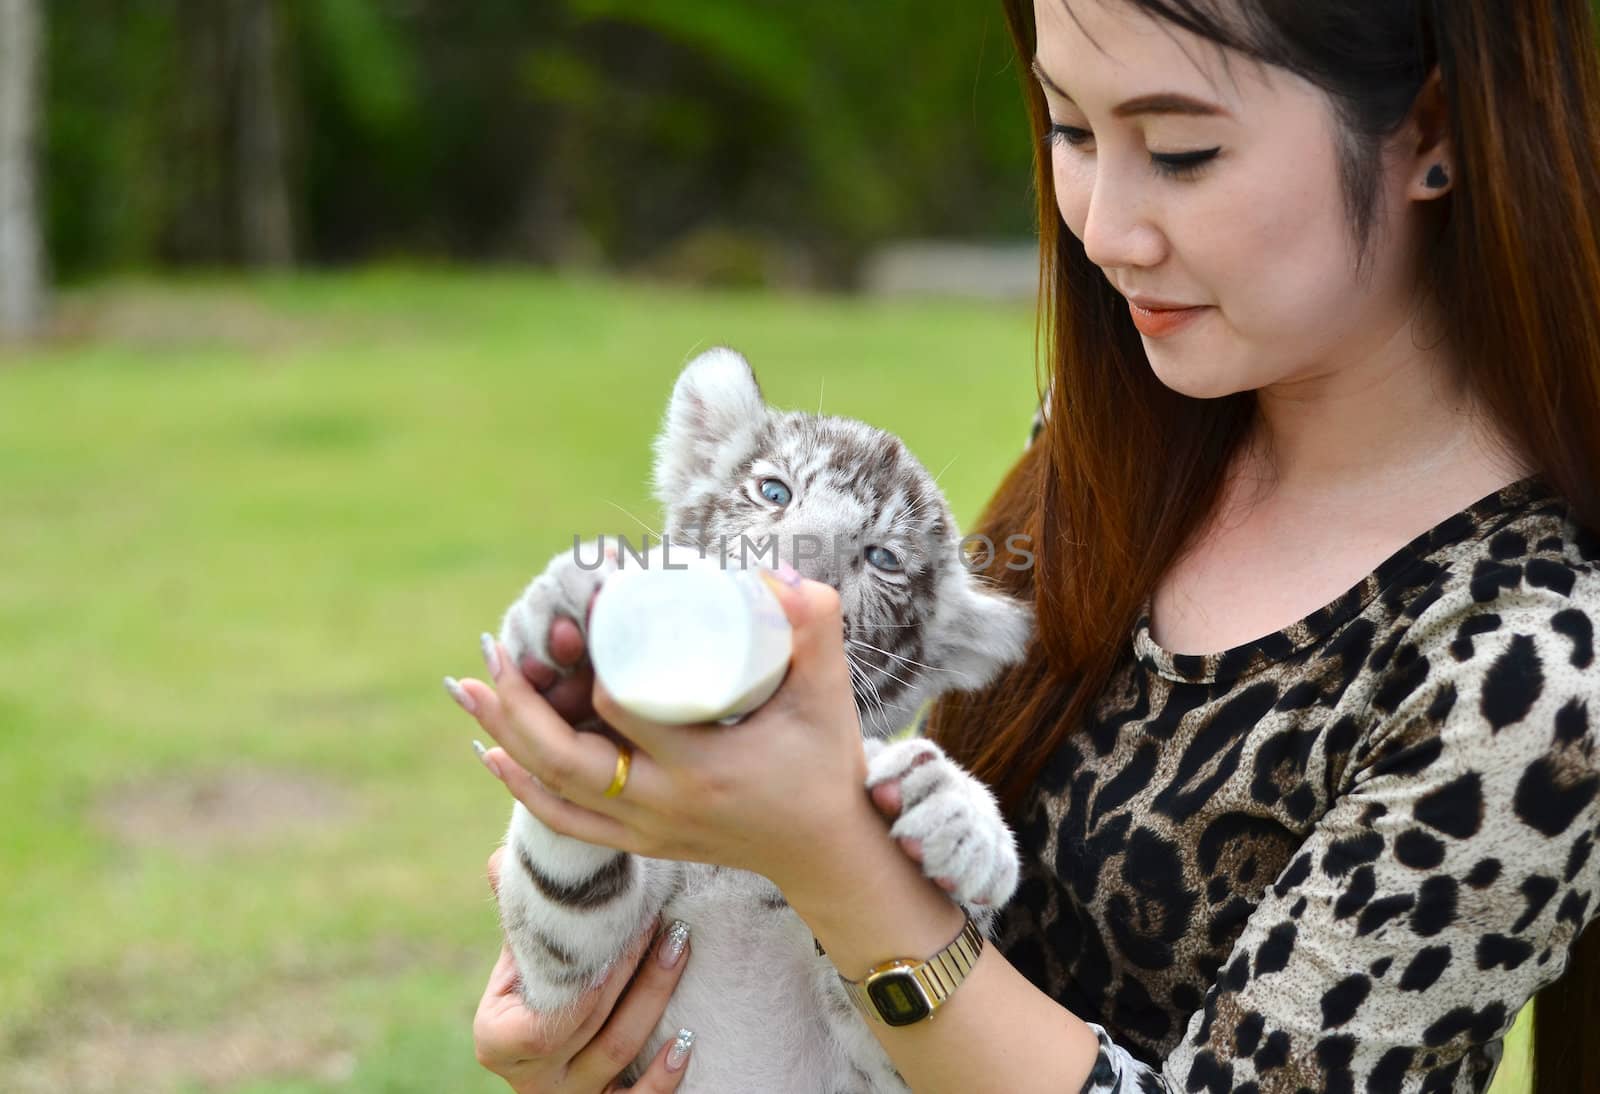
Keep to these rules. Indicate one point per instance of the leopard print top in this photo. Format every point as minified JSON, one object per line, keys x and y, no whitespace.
{"x":1340,"y":857}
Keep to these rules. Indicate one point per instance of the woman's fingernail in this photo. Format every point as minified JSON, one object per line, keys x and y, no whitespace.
{"x":488,"y":760}
{"x":787,"y":574}
{"x":459,"y":694}
{"x":491,"y":655}
{"x":673,"y":945}
{"x":678,"y":1054}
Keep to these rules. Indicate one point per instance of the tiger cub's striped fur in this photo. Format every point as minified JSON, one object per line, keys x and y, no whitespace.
{"x":768,"y":1009}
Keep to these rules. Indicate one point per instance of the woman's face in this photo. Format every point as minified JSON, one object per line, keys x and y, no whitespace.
{"x":1232,"y":203}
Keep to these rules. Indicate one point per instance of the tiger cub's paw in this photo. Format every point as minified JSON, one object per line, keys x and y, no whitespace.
{"x":948,"y":821}
{"x":565,"y":588}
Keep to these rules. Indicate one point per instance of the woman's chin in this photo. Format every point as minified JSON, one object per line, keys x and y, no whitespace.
{"x":1199,"y":382}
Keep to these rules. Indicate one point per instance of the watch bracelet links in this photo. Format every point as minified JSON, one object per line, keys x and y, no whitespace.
{"x":939,"y":975}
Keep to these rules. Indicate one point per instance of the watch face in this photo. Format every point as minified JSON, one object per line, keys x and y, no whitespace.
{"x":899,"y":998}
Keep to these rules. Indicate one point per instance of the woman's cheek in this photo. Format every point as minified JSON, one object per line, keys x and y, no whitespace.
{"x":1074,"y":185}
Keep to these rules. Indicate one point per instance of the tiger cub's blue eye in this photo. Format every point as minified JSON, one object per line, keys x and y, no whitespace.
{"x":775,"y":492}
{"x":883,"y":559}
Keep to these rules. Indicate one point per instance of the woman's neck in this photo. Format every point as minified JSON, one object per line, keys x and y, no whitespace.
{"x":1399,"y":420}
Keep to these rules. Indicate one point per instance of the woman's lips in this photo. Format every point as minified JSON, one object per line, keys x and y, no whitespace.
{"x":1160,"y":322}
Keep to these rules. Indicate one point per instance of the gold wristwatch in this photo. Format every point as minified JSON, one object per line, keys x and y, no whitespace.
{"x":905,"y":991}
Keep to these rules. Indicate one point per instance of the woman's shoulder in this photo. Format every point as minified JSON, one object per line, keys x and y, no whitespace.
{"x":1519,"y":558}
{"x":1490,"y":655}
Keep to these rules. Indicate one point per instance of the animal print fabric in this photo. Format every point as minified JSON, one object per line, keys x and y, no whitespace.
{"x":1343,"y":856}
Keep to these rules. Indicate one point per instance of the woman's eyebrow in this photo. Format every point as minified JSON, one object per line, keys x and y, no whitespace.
{"x":1160,"y":102}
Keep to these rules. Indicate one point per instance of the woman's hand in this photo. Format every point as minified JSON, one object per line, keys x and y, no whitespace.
{"x":779,"y":794}
{"x":583,"y":1048}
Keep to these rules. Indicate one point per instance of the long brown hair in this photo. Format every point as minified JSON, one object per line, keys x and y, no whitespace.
{"x":1125,"y":471}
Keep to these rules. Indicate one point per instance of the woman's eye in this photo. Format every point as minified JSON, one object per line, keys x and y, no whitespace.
{"x":775,"y":492}
{"x":1182,"y":164}
{"x":1066,"y":134}
{"x":1170,"y":164}
{"x":884,"y":559}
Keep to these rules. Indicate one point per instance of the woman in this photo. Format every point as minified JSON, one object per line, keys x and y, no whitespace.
{"x":1325,"y":361}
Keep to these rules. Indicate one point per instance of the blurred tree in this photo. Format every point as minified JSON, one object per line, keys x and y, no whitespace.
{"x":265,"y":234}
{"x":21,"y":257}
{"x":195,"y":145}
{"x":227,"y":158}
{"x":112,"y":118}
{"x":366,"y":156}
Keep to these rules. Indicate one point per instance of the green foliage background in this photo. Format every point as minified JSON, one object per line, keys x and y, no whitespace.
{"x":553,"y":131}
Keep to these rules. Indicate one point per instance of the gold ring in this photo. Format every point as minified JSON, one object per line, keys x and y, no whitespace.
{"x":620,"y":779}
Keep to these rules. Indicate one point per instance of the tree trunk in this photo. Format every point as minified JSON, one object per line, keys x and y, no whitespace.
{"x":21,"y":253}
{"x":197,"y":229}
{"x":545,"y":230}
{"x":265,"y":229}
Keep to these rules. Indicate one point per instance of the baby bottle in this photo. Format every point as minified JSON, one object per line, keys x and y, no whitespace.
{"x":677,"y":638}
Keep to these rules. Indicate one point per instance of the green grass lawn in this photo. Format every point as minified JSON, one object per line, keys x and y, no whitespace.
{"x":247,"y":527}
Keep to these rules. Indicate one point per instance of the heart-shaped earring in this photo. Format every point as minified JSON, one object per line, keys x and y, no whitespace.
{"x":1437,"y":179}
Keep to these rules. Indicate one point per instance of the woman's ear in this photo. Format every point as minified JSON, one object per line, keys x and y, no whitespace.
{"x":1433,"y":154}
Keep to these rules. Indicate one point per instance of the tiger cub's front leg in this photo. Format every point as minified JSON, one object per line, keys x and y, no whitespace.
{"x":953,"y":822}
{"x":568,"y":908}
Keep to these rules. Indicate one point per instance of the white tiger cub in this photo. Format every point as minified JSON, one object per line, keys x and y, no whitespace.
{"x":917,"y":623}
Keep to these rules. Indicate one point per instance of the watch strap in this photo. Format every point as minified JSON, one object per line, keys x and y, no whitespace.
{"x":938,"y":976}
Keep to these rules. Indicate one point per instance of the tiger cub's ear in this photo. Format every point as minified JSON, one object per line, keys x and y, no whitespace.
{"x":714,"y":402}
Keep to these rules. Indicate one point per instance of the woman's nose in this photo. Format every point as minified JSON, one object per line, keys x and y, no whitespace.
{"x":1118,"y":230}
